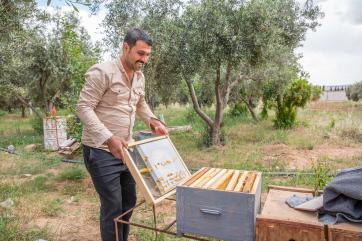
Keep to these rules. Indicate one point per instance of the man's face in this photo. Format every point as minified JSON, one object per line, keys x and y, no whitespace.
{"x":137,"y":56}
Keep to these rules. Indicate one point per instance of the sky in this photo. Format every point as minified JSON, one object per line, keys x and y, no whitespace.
{"x":332,"y":55}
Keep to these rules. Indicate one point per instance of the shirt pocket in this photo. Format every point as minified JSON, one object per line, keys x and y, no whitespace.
{"x":138,"y":93}
{"x":116,"y":94}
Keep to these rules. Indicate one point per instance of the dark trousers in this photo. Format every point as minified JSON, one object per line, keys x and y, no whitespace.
{"x":116,"y":189}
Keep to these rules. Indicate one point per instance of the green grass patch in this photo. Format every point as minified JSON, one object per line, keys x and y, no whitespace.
{"x":72,"y":173}
{"x":15,"y":190}
{"x":52,"y":208}
{"x":10,"y":230}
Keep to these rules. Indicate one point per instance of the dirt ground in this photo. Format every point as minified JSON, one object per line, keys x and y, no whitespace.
{"x":302,"y":159}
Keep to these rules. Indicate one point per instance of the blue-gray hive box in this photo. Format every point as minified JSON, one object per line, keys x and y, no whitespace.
{"x":219,"y":203}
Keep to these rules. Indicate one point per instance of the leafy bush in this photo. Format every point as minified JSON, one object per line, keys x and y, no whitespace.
{"x":74,"y":127}
{"x":323,"y":174}
{"x":296,"y":95}
{"x":37,"y":125}
{"x":316,"y":93}
{"x":354,"y":92}
{"x":239,"y":110}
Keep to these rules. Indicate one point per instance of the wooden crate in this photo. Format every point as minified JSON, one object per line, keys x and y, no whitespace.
{"x":156,"y":167}
{"x":279,"y":222}
{"x":345,"y":232}
{"x":219,"y":203}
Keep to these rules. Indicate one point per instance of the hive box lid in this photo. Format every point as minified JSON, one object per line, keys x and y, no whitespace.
{"x":156,"y":167}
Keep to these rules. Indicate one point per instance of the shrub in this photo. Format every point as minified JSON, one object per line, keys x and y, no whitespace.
{"x":296,"y":95}
{"x":239,"y":110}
{"x":37,"y":125}
{"x":316,"y":93}
{"x":74,"y":127}
{"x":354,"y":92}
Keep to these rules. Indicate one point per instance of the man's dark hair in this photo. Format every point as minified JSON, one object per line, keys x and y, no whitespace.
{"x":135,"y":34}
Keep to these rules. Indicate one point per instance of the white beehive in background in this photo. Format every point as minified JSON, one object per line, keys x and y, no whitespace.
{"x":55,"y":132}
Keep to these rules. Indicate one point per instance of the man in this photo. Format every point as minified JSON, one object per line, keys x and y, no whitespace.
{"x":112,"y":94}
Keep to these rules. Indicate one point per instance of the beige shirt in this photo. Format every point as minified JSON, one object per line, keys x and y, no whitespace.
{"x":108,"y":102}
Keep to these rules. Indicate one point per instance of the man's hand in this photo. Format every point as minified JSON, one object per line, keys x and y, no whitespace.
{"x":115,"y":145}
{"x":158,"y":127}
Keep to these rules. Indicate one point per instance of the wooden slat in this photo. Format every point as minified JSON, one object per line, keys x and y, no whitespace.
{"x":241,"y":181}
{"x":221,"y":182}
{"x":249,"y":182}
{"x":256,"y":183}
{"x":215,"y":178}
{"x":138,"y":177}
{"x":208,"y":177}
{"x":233,"y":181}
{"x":194,"y":184}
{"x":196,"y":176}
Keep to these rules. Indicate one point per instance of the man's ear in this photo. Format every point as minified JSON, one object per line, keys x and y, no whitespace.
{"x":125,"y":47}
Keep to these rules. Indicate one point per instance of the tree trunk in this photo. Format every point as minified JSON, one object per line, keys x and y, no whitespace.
{"x":251,"y":109}
{"x":215,"y":135}
{"x":23,"y":111}
{"x":24,"y":102}
{"x":42,"y":89}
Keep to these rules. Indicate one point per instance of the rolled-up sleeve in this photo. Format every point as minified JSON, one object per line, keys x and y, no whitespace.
{"x":92,"y":92}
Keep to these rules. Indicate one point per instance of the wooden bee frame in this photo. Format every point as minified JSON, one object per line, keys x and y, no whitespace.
{"x":156,"y":167}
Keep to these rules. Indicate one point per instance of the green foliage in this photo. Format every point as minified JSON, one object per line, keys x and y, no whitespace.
{"x":316,"y":93}
{"x":239,"y":110}
{"x":215,"y":45}
{"x":354,"y":92}
{"x":74,"y":127}
{"x":322,"y":175}
{"x":296,"y":95}
{"x":37,"y":125}
{"x":72,"y":173}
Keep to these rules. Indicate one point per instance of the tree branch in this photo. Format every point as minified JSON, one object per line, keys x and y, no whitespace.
{"x":195,"y":102}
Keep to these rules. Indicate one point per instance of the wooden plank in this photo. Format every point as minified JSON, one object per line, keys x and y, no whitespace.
{"x":134,"y":143}
{"x":222,"y":182}
{"x":208,"y":177}
{"x":138,"y":177}
{"x":241,"y":181}
{"x":196,"y":176}
{"x":276,"y":208}
{"x":257,"y":181}
{"x":249,"y":182}
{"x":215,"y":178}
{"x":293,"y":189}
{"x":233,"y":181}
{"x":194,"y":184}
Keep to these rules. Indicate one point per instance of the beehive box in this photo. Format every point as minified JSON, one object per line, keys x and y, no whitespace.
{"x":345,"y":232}
{"x":279,"y":222}
{"x":219,"y":203}
{"x":156,"y":167}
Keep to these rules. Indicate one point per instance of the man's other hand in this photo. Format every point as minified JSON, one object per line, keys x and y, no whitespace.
{"x":158,"y":127}
{"x":115,"y":145}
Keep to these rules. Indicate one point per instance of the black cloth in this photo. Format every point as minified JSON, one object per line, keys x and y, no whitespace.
{"x":116,"y":189}
{"x":342,"y":198}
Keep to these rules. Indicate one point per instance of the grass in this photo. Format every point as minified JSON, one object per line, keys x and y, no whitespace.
{"x":72,"y":173}
{"x":321,"y":128}
{"x":10,"y":231}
